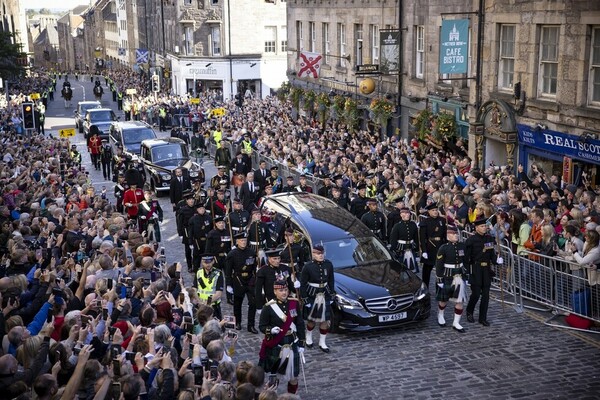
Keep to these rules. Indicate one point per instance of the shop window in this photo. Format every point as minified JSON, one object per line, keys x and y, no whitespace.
{"x":420,"y":52}
{"x":506,"y":63}
{"x":548,"y":73}
{"x":594,"y":78}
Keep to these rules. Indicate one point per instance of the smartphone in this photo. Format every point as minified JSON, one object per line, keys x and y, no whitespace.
{"x":57,"y":292}
{"x":49,"y":315}
{"x":229,"y":322}
{"x":128,"y":292}
{"x":181,"y":298}
{"x":38,"y":254}
{"x":115,"y":390}
{"x":105,"y":314}
{"x":115,"y":350}
{"x":177,"y":274}
{"x":198,"y":375}
{"x":111,"y":333}
{"x":232,"y":334}
{"x":213,"y":372}
{"x":130,"y":356}
{"x":109,"y":284}
{"x":76,"y":350}
{"x":273,"y":381}
{"x":191,"y":349}
{"x":144,"y":331}
{"x":117,"y":371}
{"x":44,"y":253}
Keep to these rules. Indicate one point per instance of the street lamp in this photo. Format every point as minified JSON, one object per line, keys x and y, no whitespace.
{"x":193,"y":72}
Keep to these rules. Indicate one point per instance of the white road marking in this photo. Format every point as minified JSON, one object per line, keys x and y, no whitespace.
{"x":172,"y":237}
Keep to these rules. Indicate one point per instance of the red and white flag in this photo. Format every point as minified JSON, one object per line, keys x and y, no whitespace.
{"x":310,"y":64}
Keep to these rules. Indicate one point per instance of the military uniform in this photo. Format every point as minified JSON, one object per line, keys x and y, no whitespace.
{"x":325,"y":190}
{"x":375,"y":221}
{"x":404,"y":240}
{"x":238,"y":220}
{"x":184,"y":215}
{"x":266,"y":276}
{"x":241,"y":276}
{"x":275,"y":181}
{"x":150,"y":217}
{"x":299,"y":256}
{"x":199,"y":226}
{"x":358,"y":206}
{"x":480,"y":254}
{"x":279,"y":353}
{"x":218,"y":242}
{"x":432,"y":232}
{"x":120,"y":188}
{"x":340,"y":200}
{"x":258,"y":236}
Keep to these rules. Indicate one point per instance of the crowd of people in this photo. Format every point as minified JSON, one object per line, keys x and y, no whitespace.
{"x":90,"y":307}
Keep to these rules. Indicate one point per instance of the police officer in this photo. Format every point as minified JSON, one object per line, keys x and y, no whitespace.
{"x":238,"y":218}
{"x":218,"y":241}
{"x":240,"y":267}
{"x":358,"y":205}
{"x":200,"y":224}
{"x":449,"y":271}
{"x":268,"y":274}
{"x":432,"y":232}
{"x":317,"y":291}
{"x":480,"y":254}
{"x":374,"y":219}
{"x":183,"y":215}
{"x":404,"y":239}
{"x":210,"y":284}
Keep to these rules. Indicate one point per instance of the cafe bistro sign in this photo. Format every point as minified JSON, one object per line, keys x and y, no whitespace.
{"x":561,"y":143}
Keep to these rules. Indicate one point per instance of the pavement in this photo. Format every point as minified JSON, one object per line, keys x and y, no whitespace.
{"x":517,"y":357}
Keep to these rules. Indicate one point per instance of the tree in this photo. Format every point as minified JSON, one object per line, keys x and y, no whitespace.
{"x":12,"y":58}
{"x":45,"y":11}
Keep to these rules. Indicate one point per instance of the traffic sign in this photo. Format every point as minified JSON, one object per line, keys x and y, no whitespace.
{"x":68,"y":132}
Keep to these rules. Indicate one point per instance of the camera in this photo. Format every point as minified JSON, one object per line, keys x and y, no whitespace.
{"x":229,"y":322}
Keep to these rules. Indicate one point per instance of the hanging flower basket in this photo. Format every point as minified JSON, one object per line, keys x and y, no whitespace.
{"x":445,"y":126}
{"x":308,"y":101}
{"x":323,"y":105}
{"x":339,"y":103}
{"x":295,"y":96}
{"x":382,"y":110}
{"x":422,"y":123}
{"x":350,"y":114}
{"x":283,"y":93}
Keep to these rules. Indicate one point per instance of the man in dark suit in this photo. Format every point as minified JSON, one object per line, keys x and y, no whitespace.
{"x":261,"y":174}
{"x":238,"y":164}
{"x":249,"y":192}
{"x":179,"y":183}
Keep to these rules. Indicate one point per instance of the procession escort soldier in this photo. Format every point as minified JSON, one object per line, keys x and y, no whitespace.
{"x":210,"y":284}
{"x":336,"y":196}
{"x":150,"y":216}
{"x":184,"y":214}
{"x":358,"y":205}
{"x":317,"y":291}
{"x":139,"y":167}
{"x":218,"y":241}
{"x":268,"y":274}
{"x":325,"y":190}
{"x":120,"y":187}
{"x":132,"y":196}
{"x":432,"y":232}
{"x":480,"y":254}
{"x":282,"y":348}
{"x":303,"y":187}
{"x":240,"y":269}
{"x":217,"y":206}
{"x":404,"y":240}
{"x":275,"y":180}
{"x":238,"y":218}
{"x":258,"y":234}
{"x":289,"y":187}
{"x":374,"y":219}
{"x":450,"y":271}
{"x":220,"y":176}
{"x":294,"y":254}
{"x":339,"y":183}
{"x":393,"y":216}
{"x":200,"y":224}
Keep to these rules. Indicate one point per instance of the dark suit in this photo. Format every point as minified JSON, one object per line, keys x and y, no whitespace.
{"x":177,"y":188}
{"x":248,"y":197}
{"x":259,"y":178}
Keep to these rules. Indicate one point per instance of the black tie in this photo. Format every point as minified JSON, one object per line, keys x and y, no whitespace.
{"x":251,"y":187}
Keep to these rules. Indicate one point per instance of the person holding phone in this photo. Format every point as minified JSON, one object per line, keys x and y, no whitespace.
{"x":283,"y":326}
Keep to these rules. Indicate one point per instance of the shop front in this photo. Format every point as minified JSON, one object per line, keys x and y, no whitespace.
{"x":559,"y":153}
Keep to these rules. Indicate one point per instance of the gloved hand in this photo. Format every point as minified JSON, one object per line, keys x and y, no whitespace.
{"x":275,"y":330}
{"x":499,"y":260}
{"x":296,"y":284}
{"x":300,"y":350}
{"x":229,"y":289}
{"x":424,"y":256}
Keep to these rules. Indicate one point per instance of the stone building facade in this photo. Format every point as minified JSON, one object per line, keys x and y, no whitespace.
{"x":539,"y":81}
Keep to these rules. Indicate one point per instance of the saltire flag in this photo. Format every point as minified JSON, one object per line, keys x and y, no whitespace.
{"x":141,"y":56}
{"x":310,"y":64}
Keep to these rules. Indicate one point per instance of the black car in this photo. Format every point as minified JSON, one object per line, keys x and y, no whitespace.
{"x":102,"y":118}
{"x":162,"y":156}
{"x":129,"y":135}
{"x":82,"y":108}
{"x":373,"y":290}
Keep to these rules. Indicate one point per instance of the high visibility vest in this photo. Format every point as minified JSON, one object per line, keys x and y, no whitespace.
{"x":217,"y":135}
{"x":162,"y":113}
{"x":209,"y":286}
{"x":247,"y":147}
